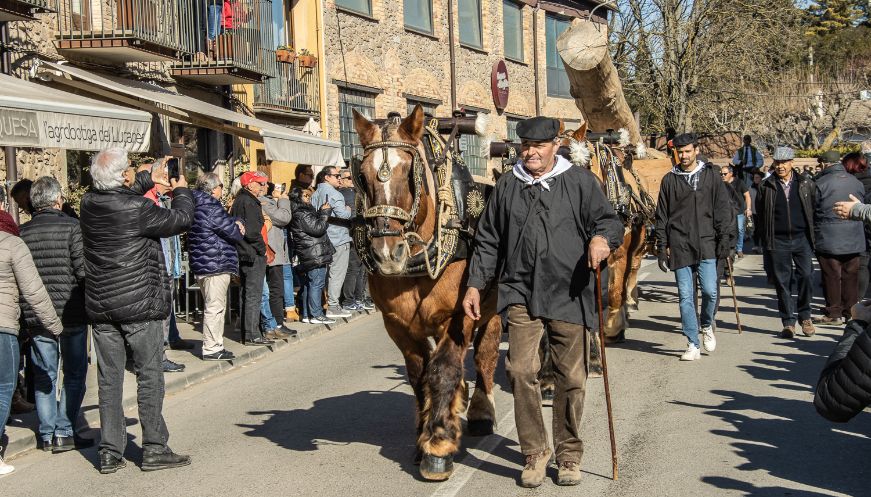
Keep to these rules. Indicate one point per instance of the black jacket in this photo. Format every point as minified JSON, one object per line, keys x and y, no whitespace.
{"x":694,"y":225}
{"x":125,"y":273}
{"x":766,"y":197}
{"x":833,"y":235}
{"x":844,"y":388}
{"x":309,"y":231}
{"x":247,"y":208}
{"x":55,"y":242}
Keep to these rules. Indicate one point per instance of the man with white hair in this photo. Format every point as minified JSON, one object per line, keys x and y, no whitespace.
{"x":127,"y":298}
{"x":55,"y":242}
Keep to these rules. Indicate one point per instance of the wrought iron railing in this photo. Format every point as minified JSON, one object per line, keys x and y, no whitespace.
{"x":159,"y":22}
{"x":295,"y":88}
{"x":232,"y":33}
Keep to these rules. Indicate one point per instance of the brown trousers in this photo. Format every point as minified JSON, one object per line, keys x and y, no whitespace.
{"x":840,"y":283}
{"x":570,"y":353}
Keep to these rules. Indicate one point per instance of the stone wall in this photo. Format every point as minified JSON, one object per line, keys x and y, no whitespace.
{"x":382,"y":54}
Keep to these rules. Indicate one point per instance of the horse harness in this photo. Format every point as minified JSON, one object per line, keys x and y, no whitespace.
{"x":458,"y":200}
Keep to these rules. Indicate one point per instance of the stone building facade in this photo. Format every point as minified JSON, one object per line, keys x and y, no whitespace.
{"x":377,"y":58}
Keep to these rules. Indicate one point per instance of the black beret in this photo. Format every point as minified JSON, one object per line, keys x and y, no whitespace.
{"x":830,"y":157}
{"x":685,"y":139}
{"x":538,"y":129}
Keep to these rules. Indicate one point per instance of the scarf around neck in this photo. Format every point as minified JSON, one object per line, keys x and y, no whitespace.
{"x":691,"y":177}
{"x":561,"y":166}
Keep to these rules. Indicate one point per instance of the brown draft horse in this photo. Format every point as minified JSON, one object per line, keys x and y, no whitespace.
{"x":416,"y":308}
{"x":624,"y":263}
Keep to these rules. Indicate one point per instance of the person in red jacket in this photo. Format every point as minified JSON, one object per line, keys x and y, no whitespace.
{"x":7,"y":224}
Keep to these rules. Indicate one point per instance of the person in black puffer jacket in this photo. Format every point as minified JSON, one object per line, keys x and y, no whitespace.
{"x":844,"y":388}
{"x":212,"y":248}
{"x":55,"y":242}
{"x":127,"y":296}
{"x":312,"y":247}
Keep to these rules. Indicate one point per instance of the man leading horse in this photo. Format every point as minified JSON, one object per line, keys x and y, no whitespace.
{"x":546,"y":226}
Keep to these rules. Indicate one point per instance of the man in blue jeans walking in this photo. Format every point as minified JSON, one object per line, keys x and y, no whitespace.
{"x":694,"y":226}
{"x":55,"y":242}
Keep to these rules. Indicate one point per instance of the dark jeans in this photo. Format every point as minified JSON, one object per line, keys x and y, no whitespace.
{"x":863,"y":275}
{"x":252,"y":274}
{"x":840,"y":283}
{"x":312,"y":293}
{"x":9,"y":357}
{"x":146,"y":342}
{"x":71,"y":349}
{"x":275,"y":281}
{"x":792,"y":258}
{"x":354,"y":288}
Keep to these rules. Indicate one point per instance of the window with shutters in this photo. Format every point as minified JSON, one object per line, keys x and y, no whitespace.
{"x":557,"y":79}
{"x":512,"y":26}
{"x":418,"y":15}
{"x":349,"y":100}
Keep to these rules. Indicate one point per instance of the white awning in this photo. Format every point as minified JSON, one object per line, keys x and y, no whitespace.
{"x":34,"y":115}
{"x":282,"y":144}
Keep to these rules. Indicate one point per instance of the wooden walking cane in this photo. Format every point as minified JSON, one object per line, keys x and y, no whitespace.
{"x":734,"y":296}
{"x":605,"y":373}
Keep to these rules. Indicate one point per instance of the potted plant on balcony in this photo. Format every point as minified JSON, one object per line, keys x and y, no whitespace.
{"x":306,"y":59}
{"x":285,"y":54}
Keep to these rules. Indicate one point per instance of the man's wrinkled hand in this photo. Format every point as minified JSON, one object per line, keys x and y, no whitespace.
{"x":598,"y":251}
{"x":472,"y":303}
{"x":843,"y":209}
{"x":181,"y":182}
{"x":862,"y":311}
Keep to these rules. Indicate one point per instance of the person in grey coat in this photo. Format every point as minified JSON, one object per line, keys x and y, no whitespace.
{"x":276,"y":206}
{"x":839,"y":242}
{"x":339,"y":234}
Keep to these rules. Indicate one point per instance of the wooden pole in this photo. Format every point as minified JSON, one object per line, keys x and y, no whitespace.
{"x":605,"y":374}
{"x":734,"y":295}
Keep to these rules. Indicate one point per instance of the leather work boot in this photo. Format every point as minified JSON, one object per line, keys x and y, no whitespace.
{"x":569,"y":473}
{"x":787,"y":332}
{"x":807,"y":327}
{"x":153,"y":461}
{"x":535,"y":470}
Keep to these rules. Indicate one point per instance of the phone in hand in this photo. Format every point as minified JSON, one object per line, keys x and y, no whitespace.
{"x":172,"y":169}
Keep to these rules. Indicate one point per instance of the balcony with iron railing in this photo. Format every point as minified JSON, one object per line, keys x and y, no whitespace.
{"x":232,"y":43}
{"x":22,"y":10}
{"x":125,"y":30}
{"x":294,"y":90}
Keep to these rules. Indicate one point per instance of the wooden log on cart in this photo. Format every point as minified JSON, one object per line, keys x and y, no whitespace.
{"x":595,"y":84}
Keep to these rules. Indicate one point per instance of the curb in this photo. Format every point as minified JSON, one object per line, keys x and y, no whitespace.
{"x":24,"y":439}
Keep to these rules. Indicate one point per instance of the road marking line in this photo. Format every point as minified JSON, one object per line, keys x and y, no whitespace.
{"x":464,"y":473}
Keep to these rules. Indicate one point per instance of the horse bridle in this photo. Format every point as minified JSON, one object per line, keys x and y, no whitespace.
{"x":384,"y":175}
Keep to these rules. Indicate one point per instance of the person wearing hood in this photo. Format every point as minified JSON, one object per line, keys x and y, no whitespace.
{"x":694,"y":228}
{"x":546,"y":229}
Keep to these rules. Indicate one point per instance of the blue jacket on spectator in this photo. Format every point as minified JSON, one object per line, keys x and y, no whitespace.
{"x":212,"y":238}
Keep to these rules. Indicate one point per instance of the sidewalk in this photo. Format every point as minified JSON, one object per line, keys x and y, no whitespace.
{"x":21,"y":428}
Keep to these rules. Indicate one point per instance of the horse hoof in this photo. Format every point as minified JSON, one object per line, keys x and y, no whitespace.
{"x":434,"y":468}
{"x":479,"y":427}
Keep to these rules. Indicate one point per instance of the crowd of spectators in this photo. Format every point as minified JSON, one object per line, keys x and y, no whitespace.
{"x":116,"y":270}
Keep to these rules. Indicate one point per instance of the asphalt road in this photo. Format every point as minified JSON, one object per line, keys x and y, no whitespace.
{"x":333,"y":417}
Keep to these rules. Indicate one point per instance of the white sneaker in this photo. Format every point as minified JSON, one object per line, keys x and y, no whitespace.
{"x":305,"y":320}
{"x":709,"y":341}
{"x":692,"y":354}
{"x":322,"y":320}
{"x":5,"y":469}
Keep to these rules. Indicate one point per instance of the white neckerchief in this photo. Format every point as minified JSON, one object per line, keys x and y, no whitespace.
{"x":561,"y":166}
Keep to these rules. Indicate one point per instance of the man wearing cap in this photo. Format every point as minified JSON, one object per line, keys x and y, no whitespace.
{"x":838,"y":242}
{"x":252,"y":255}
{"x":546,"y":227}
{"x":694,"y":228}
{"x":785,"y":206}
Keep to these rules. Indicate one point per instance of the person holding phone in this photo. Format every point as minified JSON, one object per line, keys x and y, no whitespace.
{"x":276,"y":206}
{"x":315,"y":252}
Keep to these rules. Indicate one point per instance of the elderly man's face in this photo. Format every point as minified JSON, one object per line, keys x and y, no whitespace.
{"x":783,"y":169}
{"x":255,"y":188}
{"x":538,"y":157}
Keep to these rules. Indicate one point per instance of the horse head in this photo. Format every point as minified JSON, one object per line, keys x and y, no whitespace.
{"x":395,"y":184}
